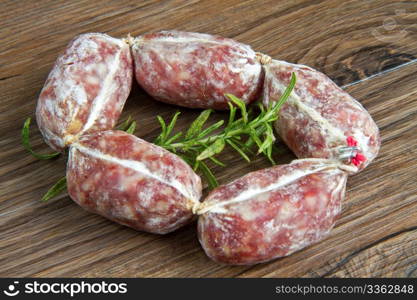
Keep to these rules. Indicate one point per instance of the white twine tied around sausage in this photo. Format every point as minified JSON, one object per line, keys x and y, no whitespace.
{"x":129,"y":39}
{"x":263,"y":59}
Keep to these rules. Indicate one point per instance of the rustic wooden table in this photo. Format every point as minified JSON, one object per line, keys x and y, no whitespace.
{"x":370,"y":47}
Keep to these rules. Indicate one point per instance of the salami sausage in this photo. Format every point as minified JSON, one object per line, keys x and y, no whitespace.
{"x":132,"y":182}
{"x":86,"y":89}
{"x":272,"y":212}
{"x":320,"y":120}
{"x":195,"y":70}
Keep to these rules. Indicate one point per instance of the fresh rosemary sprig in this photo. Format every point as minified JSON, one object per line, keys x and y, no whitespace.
{"x":242,"y":134}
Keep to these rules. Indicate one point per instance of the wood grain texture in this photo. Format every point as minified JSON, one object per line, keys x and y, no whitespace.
{"x":368,"y":46}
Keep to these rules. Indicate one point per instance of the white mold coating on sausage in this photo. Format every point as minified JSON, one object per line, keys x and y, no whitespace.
{"x":272,"y":212}
{"x":85,"y":90}
{"x":196,"y":70}
{"x":132,"y":182}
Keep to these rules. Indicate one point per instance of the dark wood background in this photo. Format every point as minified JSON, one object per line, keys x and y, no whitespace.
{"x":370,"y":47}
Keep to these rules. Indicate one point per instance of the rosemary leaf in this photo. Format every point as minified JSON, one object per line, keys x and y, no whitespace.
{"x":217,"y":162}
{"x":132,"y":127}
{"x":55,"y":190}
{"x":287,"y":91}
{"x":174,"y":138}
{"x":240,"y":151}
{"x":172,"y":124}
{"x":240,"y":104}
{"x":254,"y":135}
{"x":232,"y":114}
{"x":211,"y":128}
{"x":161,"y":137}
{"x":198,"y":123}
{"x":196,"y":165}
{"x":26,"y":143}
{"x":211,"y":179}
{"x":213,"y":149}
{"x":125,"y":124}
{"x":246,"y":149}
{"x":267,"y":143}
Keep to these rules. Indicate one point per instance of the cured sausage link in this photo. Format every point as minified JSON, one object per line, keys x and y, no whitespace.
{"x":86,"y":89}
{"x":272,"y":212}
{"x":132,"y":182}
{"x":195,"y":70}
{"x":320,"y":120}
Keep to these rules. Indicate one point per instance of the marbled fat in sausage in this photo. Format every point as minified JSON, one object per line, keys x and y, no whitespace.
{"x":196,"y":70}
{"x":86,"y":89}
{"x":319,"y":119}
{"x":272,"y":212}
{"x":132,"y":182}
